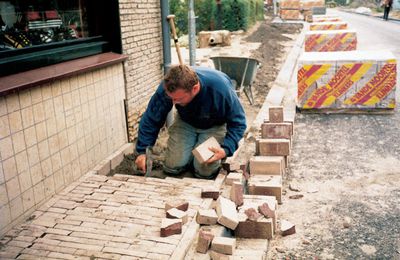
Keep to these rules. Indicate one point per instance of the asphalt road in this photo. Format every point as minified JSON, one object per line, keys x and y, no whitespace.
{"x":348,"y":169}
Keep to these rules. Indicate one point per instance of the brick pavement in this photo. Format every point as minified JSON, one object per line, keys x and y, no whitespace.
{"x":108,"y":218}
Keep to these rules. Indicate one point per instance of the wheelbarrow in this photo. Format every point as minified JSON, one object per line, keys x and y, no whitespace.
{"x":241,"y":70}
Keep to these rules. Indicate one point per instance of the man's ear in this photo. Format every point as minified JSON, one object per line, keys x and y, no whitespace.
{"x":196,"y":88}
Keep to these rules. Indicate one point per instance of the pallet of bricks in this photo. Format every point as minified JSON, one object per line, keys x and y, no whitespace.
{"x":246,"y":206}
{"x":289,"y":9}
{"x":310,"y":6}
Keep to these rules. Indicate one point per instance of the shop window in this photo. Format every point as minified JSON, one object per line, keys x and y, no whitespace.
{"x":37,"y":33}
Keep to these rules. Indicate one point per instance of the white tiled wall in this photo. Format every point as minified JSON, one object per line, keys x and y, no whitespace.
{"x":50,"y":135}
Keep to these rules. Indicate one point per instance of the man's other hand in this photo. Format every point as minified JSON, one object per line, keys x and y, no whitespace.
{"x":141,"y":162}
{"x":219,"y":154}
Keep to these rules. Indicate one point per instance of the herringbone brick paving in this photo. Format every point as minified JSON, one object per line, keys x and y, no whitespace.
{"x":106,"y":218}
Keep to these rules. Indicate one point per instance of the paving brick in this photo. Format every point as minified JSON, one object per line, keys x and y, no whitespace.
{"x":202,"y":152}
{"x":129,"y":252}
{"x":275,"y":147}
{"x":210,"y":192}
{"x":96,"y":254}
{"x":261,"y":228}
{"x":269,"y":165}
{"x":236,"y":193}
{"x":21,"y":244}
{"x":170,"y":227}
{"x":234,"y":176}
{"x":227,"y":214}
{"x":206,"y":217}
{"x":179,"y":204}
{"x":230,"y":166}
{"x":177,"y":214}
{"x":287,"y":228}
{"x":218,"y":256}
{"x":224,"y":245}
{"x":46,"y":247}
{"x":34,"y":252}
{"x":275,"y":114}
{"x":276,"y":130}
{"x":204,"y":240}
{"x":81,"y":246}
{"x":266,"y":185}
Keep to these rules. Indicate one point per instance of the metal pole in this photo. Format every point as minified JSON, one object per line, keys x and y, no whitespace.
{"x":275,"y":11}
{"x":192,"y":34}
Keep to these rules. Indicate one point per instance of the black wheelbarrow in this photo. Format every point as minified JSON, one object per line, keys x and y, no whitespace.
{"x":241,"y":70}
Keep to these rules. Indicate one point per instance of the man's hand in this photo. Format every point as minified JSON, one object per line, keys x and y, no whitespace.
{"x":141,"y":162}
{"x":219,"y":154}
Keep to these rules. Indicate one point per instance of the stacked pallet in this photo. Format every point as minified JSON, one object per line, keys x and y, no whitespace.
{"x":330,"y":40}
{"x":354,"y":79}
{"x":289,"y":9}
{"x":328,"y":26}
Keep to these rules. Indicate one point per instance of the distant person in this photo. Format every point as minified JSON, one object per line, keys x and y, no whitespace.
{"x":387,"y":5}
{"x":206,"y":105}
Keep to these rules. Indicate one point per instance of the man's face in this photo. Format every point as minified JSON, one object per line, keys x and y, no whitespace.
{"x":182,"y":97}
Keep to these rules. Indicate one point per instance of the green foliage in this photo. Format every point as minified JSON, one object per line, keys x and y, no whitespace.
{"x":233,"y":14}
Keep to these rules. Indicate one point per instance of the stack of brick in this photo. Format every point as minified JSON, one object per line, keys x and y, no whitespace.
{"x":328,"y":26}
{"x":326,"y":18}
{"x":289,"y":9}
{"x":361,"y":80}
{"x":330,"y":40}
{"x":272,"y":150}
{"x":310,"y":7}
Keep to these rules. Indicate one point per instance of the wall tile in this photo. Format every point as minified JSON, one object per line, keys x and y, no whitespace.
{"x":15,"y":121}
{"x":60,"y":121}
{"x":3,"y":195}
{"x":38,"y":192}
{"x":4,"y":126}
{"x":12,"y":102}
{"x":25,"y":98}
{"x":56,"y":88}
{"x":36,"y":94}
{"x":65,"y":86}
{"x":56,"y":161}
{"x":33,"y":155}
{"x":36,"y":174}
{"x":21,"y":160}
{"x":9,"y":168}
{"x":27,"y":117}
{"x":67,"y":101}
{"x":13,"y":188}
{"x":44,"y":150}
{"x":54,"y":145}
{"x":58,"y":180}
{"x":30,"y":136}
{"x":49,"y":187}
{"x":6,"y":148}
{"x":46,"y":92}
{"x":28,"y":200}
{"x":47,"y":168}
{"x":63,"y":139}
{"x":2,"y":178}
{"x":18,"y":140}
{"x":48,"y":107}
{"x":51,"y":126}
{"x":58,"y":105}
{"x":16,"y":207}
{"x":5,"y":216}
{"x":41,"y":131}
{"x":25,"y":181}
{"x":3,"y":106}
{"x":38,"y":113}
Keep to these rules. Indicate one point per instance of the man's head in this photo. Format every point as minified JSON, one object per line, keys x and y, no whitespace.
{"x":181,"y":84}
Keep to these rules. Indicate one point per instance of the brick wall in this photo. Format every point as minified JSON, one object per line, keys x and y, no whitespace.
{"x":142,"y":41}
{"x":53,"y":134}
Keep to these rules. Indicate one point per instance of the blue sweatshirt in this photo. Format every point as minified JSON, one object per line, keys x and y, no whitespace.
{"x":215,"y":104}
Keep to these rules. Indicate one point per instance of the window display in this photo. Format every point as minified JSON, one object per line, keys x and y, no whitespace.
{"x":53,"y":31}
{"x":30,"y":23}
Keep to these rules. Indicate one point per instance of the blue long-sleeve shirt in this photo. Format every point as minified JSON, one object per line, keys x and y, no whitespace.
{"x":215,"y":104}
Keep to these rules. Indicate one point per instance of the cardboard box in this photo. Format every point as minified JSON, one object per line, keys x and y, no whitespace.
{"x":354,"y":79}
{"x":330,"y":40}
